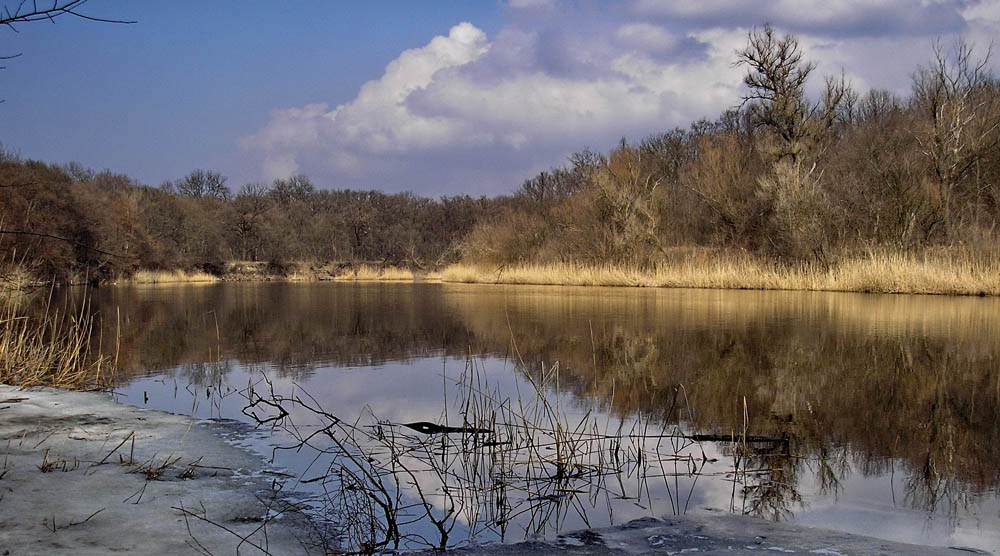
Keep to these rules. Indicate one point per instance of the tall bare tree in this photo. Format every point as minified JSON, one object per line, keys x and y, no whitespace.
{"x":795,"y":134}
{"x":249,"y":208}
{"x":203,"y":183}
{"x":776,"y":78}
{"x":961,"y":119}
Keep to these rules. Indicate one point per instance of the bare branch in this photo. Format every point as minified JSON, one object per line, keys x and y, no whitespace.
{"x":25,"y":13}
{"x":63,"y":239}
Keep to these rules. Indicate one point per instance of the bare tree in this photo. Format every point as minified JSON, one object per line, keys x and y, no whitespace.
{"x":776,"y":76}
{"x":203,"y":183}
{"x":627,"y":199}
{"x":960,"y":115}
{"x":876,"y":105}
{"x":796,"y":133}
{"x":249,"y":207}
{"x":294,"y":188}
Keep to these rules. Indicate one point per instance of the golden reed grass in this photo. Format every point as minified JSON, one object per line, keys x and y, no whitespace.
{"x":369,"y":272}
{"x":51,"y":349}
{"x":169,"y":276}
{"x":872,"y":273}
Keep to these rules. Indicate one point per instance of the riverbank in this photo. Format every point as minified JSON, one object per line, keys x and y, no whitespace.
{"x":82,"y":474}
{"x":936,"y":274}
{"x":889,"y":273}
{"x":249,"y":271}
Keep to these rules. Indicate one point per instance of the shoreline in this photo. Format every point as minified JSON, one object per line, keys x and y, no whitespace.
{"x":888,"y":274}
{"x":84,"y":474}
{"x":884,"y":274}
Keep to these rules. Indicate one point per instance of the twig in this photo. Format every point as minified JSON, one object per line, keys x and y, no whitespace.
{"x":243,"y":540}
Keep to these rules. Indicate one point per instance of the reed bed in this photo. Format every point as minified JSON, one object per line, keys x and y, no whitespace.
{"x":16,"y":283}
{"x":897,"y":273}
{"x":376,"y":273}
{"x":51,"y":349}
{"x":872,"y":273}
{"x":170,"y":276}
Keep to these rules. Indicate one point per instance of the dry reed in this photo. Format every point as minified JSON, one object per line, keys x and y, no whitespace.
{"x":169,"y":276}
{"x":51,"y":349}
{"x":375,"y":273}
{"x":873,"y":273}
{"x":520,"y":461}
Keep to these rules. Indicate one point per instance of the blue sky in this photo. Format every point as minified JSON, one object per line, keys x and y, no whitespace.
{"x":431,"y":97}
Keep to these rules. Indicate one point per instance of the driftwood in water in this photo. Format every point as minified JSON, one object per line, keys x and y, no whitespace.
{"x":432,"y":428}
{"x":753,"y":439}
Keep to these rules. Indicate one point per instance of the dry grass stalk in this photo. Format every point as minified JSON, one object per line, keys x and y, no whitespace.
{"x":170,"y":276}
{"x":520,"y":460}
{"x":15,"y":284}
{"x":370,"y":272}
{"x":872,"y":273}
{"x":51,"y":349}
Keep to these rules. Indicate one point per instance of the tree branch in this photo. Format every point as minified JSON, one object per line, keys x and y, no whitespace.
{"x":25,"y":13}
{"x":67,"y":240}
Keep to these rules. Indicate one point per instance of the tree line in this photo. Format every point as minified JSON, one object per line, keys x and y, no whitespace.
{"x":781,"y":176}
{"x":67,"y":222}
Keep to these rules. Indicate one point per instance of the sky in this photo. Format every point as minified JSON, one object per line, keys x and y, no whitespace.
{"x":436,"y":98}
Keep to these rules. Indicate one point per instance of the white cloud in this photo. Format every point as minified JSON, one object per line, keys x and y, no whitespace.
{"x":280,"y":165}
{"x":522,"y":92}
{"x":531,"y":4}
{"x":987,"y":10}
{"x":291,"y":126}
{"x":378,"y":120}
{"x":647,"y":36}
{"x":827,"y":17}
{"x":467,"y":112}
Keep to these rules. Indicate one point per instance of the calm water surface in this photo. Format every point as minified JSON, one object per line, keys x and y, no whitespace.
{"x":888,"y":407}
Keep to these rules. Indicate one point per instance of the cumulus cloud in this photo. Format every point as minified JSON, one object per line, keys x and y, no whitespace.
{"x":843,"y":18}
{"x":378,"y":119}
{"x":478,"y":114}
{"x":537,"y":95}
{"x":648,"y":36}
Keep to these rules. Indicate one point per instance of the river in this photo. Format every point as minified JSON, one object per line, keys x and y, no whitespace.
{"x":869,"y":414}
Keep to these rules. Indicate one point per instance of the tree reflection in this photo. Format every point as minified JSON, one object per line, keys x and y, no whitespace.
{"x":857,"y":384}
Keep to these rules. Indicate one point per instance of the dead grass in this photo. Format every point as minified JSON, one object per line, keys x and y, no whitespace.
{"x":15,"y":283}
{"x":874,"y":272}
{"x":896,"y":273}
{"x":927,"y":273}
{"x":368,"y":272}
{"x":169,"y":276}
{"x":51,"y":349}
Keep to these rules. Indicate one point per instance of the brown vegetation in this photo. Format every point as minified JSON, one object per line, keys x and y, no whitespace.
{"x":791,"y":192}
{"x":169,"y":277}
{"x":872,"y":273}
{"x":102,"y":227}
{"x":48,"y":347}
{"x":366,"y":272}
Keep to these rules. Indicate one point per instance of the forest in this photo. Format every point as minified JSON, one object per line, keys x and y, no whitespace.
{"x":780,"y":177}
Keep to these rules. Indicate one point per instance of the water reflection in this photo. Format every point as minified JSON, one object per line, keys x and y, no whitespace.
{"x":900,"y":390}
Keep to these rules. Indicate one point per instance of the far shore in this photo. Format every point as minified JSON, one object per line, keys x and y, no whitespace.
{"x":872,"y":273}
